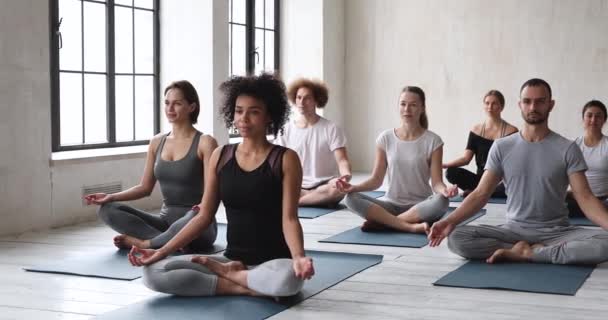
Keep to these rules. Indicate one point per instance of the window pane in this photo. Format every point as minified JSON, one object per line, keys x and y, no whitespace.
{"x":124,"y":108}
{"x":269,"y":51}
{"x":123,"y":19}
{"x":70,"y":108}
{"x":124,"y":2}
{"x":144,"y":107}
{"x":238,"y":11}
{"x":70,"y":54}
{"x":237,"y":49}
{"x":259,"y":13}
{"x":94,"y":37}
{"x":270,"y":14}
{"x":144,"y":42}
{"x":259,"y":47}
{"x":148,"y":4}
{"x":95,"y":128}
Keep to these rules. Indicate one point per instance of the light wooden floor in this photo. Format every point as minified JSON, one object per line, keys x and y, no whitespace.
{"x":398,"y":288}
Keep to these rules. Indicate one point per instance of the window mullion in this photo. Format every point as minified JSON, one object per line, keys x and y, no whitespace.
{"x":250,"y":36}
{"x":110,"y":78}
{"x":82,"y":43}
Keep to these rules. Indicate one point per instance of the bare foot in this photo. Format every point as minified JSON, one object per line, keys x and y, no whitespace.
{"x":371,"y":226}
{"x":520,"y":252}
{"x":219,"y":268}
{"x":123,"y":241}
{"x":420,"y":227}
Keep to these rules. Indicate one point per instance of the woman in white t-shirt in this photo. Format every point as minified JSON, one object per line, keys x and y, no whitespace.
{"x":594,"y":145}
{"x":409,"y":155}
{"x":320,"y":144}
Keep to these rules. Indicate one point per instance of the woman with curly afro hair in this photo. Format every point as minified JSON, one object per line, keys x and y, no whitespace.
{"x":320,"y":144}
{"x":259,"y":184}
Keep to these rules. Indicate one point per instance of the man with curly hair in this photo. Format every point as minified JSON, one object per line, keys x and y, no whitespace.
{"x":320,"y":144}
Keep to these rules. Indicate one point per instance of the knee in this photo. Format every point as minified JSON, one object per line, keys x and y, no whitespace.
{"x":355,"y":202}
{"x":458,"y":240}
{"x":107,"y":210}
{"x":450,"y":174}
{"x":275,"y":278}
{"x":434,"y":209}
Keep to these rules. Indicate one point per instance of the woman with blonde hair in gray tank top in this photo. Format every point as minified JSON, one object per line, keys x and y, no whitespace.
{"x":594,"y":145}
{"x":409,"y":155}
{"x":177,"y":160}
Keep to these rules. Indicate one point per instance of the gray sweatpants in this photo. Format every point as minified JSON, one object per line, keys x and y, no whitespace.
{"x":180,"y":276}
{"x":159,"y":229}
{"x":430,"y":210}
{"x":562,"y":245}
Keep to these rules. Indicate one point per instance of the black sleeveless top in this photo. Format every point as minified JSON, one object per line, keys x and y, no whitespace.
{"x":481,"y":146}
{"x":254,"y":207}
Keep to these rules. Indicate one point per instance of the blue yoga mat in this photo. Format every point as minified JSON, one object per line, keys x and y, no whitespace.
{"x":315,"y":212}
{"x":582,"y":221}
{"x":330,"y":269}
{"x":389,"y":237}
{"x":529,"y":277}
{"x":491,"y":200}
{"x":110,"y":263}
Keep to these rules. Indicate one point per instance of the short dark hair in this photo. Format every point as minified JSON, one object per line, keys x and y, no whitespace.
{"x":189,"y":93}
{"x":597,"y":104}
{"x":318,"y":88}
{"x":424,"y":120}
{"x":266,"y":87}
{"x":498,"y":95}
{"x":536,"y":82}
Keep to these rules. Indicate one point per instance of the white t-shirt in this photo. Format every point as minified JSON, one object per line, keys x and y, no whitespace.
{"x":315,"y":146}
{"x":409,"y":166}
{"x":597,"y":162}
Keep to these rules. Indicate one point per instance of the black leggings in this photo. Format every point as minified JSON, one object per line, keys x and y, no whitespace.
{"x":467,"y":180}
{"x":575,"y":210}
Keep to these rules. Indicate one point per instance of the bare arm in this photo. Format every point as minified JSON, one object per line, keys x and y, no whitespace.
{"x":343,"y":164}
{"x":437,"y":175}
{"x":206,"y":147}
{"x":459,"y":162}
{"x":590,"y":205}
{"x":292,"y":230}
{"x":375,"y":181}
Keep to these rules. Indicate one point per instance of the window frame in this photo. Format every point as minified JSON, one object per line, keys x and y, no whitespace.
{"x":250,"y":52}
{"x":110,"y":78}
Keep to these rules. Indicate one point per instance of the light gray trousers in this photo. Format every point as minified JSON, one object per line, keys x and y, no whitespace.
{"x":180,"y":276}
{"x":562,"y":245}
{"x":430,"y":210}
{"x":159,"y":229}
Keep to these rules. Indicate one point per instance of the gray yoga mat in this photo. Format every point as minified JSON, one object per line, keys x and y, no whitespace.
{"x":491,"y":200}
{"x":582,"y":221}
{"x":330,"y":269}
{"x":110,"y":263}
{"x":529,"y":277}
{"x":315,"y":212}
{"x":389,"y":237}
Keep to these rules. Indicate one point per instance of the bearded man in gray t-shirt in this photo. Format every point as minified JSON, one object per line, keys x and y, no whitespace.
{"x":537,"y":165}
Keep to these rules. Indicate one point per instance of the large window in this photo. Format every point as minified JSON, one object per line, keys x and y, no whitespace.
{"x":104,"y":69}
{"x":254,"y":36}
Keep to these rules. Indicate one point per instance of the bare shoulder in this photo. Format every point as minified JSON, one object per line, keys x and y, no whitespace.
{"x":511,"y":129}
{"x":476,"y":129}
{"x":155,"y":141}
{"x":207,"y":142}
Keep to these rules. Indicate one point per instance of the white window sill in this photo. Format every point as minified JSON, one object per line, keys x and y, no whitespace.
{"x":102,"y":153}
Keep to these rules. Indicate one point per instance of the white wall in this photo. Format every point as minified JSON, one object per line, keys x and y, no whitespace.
{"x":458,"y":50}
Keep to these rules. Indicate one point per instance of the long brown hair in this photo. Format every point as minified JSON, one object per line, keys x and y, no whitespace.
{"x":424,"y":120}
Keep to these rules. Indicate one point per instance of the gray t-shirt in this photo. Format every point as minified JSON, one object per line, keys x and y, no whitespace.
{"x":409,"y":164}
{"x":597,"y":160}
{"x":536,"y":177}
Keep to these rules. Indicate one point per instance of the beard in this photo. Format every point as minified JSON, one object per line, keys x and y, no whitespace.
{"x":538,"y":119}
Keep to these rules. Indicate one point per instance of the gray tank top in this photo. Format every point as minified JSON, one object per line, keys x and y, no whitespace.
{"x":181,"y":181}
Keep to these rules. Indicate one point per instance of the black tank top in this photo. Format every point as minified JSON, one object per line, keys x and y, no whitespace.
{"x":253,"y":202}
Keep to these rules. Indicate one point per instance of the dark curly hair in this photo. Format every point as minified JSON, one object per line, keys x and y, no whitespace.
{"x":318,"y":88}
{"x":266,"y":87}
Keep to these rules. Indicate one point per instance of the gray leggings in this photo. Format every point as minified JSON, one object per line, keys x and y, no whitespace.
{"x":563,"y":245}
{"x":159,"y":229}
{"x":180,"y":276}
{"x":430,"y":210}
